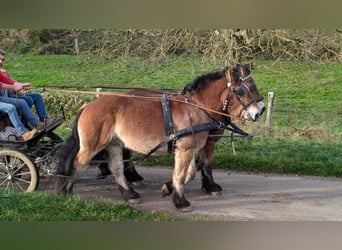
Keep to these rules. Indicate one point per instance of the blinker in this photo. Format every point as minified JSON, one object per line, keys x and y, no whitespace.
{"x":240,"y":91}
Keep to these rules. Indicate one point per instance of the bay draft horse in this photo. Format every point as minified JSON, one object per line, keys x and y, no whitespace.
{"x":115,"y":121}
{"x":209,"y":186}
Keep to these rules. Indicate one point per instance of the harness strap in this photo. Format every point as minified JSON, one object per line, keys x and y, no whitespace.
{"x":167,"y":115}
{"x":185,"y":132}
{"x":168,"y":122}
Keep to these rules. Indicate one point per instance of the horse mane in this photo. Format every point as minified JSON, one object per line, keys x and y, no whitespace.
{"x":202,"y":80}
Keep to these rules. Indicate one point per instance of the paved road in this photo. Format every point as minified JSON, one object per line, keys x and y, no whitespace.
{"x":246,"y":197}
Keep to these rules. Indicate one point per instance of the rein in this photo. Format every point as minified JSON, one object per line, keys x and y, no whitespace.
{"x":146,"y":97}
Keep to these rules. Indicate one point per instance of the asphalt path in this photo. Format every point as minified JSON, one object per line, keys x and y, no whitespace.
{"x":245,"y":197}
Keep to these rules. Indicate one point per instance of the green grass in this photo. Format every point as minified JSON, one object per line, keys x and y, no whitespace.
{"x":307,"y":97}
{"x":284,"y":156}
{"x":43,"y":207}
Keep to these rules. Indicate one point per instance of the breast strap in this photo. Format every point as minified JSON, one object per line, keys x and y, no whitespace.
{"x":175,"y":135}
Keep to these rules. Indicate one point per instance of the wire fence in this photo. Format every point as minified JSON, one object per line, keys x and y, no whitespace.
{"x":322,"y":123}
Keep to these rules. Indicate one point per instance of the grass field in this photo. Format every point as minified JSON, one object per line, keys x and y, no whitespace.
{"x":306,"y":123}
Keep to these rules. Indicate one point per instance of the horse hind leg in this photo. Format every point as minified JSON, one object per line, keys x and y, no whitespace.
{"x":116,"y":166}
{"x":130,"y":172}
{"x":65,"y":170}
{"x":65,"y":179}
{"x":81,"y":159}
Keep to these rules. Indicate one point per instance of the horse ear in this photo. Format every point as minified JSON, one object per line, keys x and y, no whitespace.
{"x":247,"y":68}
{"x":230,"y":74}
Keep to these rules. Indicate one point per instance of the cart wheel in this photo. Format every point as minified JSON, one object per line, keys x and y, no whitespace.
{"x":17,"y":171}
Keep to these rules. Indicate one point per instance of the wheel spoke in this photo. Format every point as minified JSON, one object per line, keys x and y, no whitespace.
{"x":21,"y":180}
{"x":3,"y":173}
{"x":3,"y":166}
{"x":4,"y":181}
{"x":18,"y":184}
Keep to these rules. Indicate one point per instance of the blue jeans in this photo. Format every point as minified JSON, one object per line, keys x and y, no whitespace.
{"x":36,"y":100}
{"x":11,"y":110}
{"x":22,"y":108}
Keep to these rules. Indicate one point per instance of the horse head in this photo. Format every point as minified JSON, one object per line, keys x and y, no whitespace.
{"x":245,"y":100}
{"x":247,"y":78}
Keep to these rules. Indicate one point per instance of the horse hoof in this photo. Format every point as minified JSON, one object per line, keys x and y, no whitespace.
{"x":212,"y":189}
{"x":166,"y":191}
{"x":213,"y":193}
{"x":134,"y":201}
{"x":137,"y":183}
{"x":186,"y":209}
{"x":217,"y":193}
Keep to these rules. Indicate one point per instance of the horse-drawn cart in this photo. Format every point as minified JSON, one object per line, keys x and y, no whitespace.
{"x":188,"y":123}
{"x":23,"y":162}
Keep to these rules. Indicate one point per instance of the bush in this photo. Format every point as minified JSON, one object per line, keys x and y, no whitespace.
{"x":227,"y":46}
{"x":70,"y":103}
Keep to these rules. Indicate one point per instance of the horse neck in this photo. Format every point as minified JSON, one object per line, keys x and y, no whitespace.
{"x":212,"y":95}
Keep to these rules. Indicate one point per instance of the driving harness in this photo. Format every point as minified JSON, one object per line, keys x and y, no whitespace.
{"x":173,"y":135}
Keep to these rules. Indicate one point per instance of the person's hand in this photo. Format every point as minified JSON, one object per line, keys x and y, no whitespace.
{"x":17,"y":86}
{"x":27,"y":85}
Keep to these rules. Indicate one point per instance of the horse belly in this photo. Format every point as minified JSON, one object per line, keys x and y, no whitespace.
{"x":141,"y":131}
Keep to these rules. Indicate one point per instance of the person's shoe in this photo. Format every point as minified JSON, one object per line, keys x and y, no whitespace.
{"x":40,"y":126}
{"x":49,"y":122}
{"x":28,"y":135}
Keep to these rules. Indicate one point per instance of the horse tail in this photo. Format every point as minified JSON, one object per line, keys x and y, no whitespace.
{"x":69,"y":149}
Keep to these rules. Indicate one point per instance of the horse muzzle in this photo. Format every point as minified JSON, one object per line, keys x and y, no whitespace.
{"x":254,"y":112}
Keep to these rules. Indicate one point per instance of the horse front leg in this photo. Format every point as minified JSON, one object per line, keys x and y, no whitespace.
{"x":116,"y":166}
{"x":209,"y":186}
{"x":167,"y":187}
{"x":204,"y":163}
{"x":182,"y":162}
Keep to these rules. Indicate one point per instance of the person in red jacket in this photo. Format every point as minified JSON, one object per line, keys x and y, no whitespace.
{"x":31,"y":99}
{"x":11,"y":106}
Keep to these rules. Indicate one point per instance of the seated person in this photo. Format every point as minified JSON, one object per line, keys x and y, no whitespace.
{"x":30,"y":98}
{"x":33,"y":99}
{"x":11,"y":110}
{"x":23,"y":108}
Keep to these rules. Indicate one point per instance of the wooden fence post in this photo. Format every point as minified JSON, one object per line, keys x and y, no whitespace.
{"x":98,"y":90}
{"x":269,"y":113}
